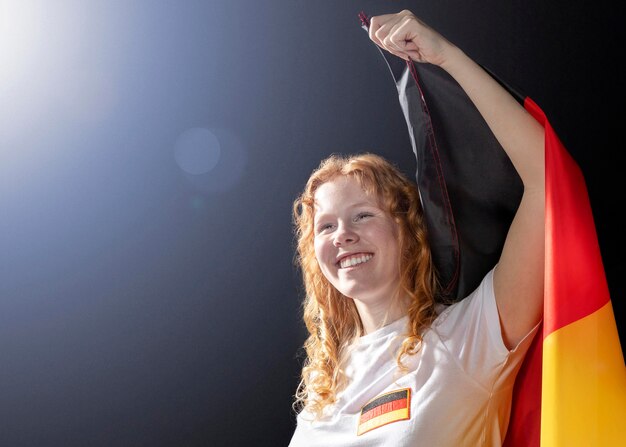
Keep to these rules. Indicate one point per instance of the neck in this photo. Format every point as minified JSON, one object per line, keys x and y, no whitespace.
{"x":375,"y":316}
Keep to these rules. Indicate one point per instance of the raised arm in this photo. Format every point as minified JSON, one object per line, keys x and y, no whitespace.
{"x":518,"y":278}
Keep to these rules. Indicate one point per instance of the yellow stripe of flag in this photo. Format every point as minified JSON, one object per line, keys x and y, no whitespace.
{"x":583,"y":401}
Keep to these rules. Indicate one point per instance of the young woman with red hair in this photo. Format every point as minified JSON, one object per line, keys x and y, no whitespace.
{"x":387,"y":365}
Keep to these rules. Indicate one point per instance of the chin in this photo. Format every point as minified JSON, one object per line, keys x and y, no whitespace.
{"x":358,"y":294}
{"x":368,"y":293}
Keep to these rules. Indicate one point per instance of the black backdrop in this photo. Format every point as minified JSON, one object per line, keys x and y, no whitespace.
{"x":141,"y":304}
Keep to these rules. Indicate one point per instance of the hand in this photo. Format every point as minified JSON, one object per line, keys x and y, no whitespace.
{"x":408,"y":37}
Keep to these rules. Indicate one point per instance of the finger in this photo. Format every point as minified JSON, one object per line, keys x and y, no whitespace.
{"x":402,"y":56}
{"x":404,"y":35}
{"x":376,"y":23}
{"x":382,"y":33}
{"x":415,"y":56}
{"x":394,"y":40}
{"x":383,"y":18}
{"x":396,"y":51}
{"x":411,"y":46}
{"x":380,"y":25}
{"x":389,"y":32}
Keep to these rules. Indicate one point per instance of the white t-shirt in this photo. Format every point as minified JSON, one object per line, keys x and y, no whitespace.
{"x":457,"y":391}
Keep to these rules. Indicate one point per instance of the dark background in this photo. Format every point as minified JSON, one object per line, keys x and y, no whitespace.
{"x":147,"y":302}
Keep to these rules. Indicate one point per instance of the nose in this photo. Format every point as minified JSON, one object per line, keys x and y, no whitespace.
{"x":344,"y":235}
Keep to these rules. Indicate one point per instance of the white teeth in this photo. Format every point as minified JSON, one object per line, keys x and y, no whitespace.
{"x":354,"y":260}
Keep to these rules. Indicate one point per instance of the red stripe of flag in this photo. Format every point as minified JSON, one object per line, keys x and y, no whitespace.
{"x":387,"y":407}
{"x":575,"y":288}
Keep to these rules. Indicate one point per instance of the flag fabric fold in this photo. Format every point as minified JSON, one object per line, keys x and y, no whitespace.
{"x":469,"y":188}
{"x":571,"y":389}
{"x":584,"y":378}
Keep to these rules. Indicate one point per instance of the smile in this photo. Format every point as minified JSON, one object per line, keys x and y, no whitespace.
{"x":351,"y":261}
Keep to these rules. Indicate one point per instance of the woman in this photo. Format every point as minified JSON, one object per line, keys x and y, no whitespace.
{"x":386,"y":365}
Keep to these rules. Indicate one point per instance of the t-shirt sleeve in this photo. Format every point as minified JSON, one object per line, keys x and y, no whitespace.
{"x":470,"y":330}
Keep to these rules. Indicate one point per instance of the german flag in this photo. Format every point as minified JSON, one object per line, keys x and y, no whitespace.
{"x":571,"y":388}
{"x":582,"y":391}
{"x":385,"y":409}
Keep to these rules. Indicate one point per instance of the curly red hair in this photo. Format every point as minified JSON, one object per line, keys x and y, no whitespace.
{"x":331,"y":318}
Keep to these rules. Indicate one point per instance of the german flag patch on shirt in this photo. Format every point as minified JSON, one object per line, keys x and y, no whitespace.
{"x":385,"y":409}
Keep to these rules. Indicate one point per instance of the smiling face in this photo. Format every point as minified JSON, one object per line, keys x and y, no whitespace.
{"x":356,"y":243}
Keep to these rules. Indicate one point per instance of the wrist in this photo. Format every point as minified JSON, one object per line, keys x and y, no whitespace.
{"x":453,"y":59}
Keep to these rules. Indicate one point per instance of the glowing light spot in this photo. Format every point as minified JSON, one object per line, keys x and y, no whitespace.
{"x":230,"y":168}
{"x":197,"y":151}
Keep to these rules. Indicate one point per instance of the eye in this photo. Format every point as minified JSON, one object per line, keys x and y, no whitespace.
{"x":324,"y":227}
{"x":362,"y":216}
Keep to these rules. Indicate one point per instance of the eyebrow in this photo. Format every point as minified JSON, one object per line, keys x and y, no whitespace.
{"x":354,"y":205}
